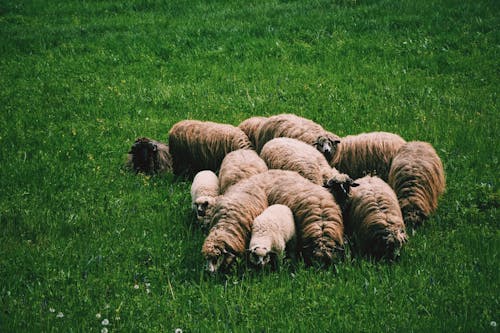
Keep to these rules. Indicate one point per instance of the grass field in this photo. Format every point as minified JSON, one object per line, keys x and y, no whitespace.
{"x":87,"y":246}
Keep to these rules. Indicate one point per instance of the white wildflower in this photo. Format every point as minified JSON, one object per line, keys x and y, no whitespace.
{"x":178,"y":330}
{"x":136,"y":286}
{"x":104,"y":330}
{"x":98,"y":316}
{"x":493,"y":324}
{"x":52,"y":310}
{"x":105,"y":322}
{"x":60,"y":315}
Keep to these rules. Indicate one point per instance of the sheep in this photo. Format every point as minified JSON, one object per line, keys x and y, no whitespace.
{"x":204,"y":194}
{"x":367,"y":153}
{"x":318,"y":218}
{"x":417,"y":176}
{"x":231,"y":224}
{"x":251,"y":125}
{"x":374,"y":220}
{"x":292,"y":154}
{"x":149,"y":156}
{"x":238,"y":165}
{"x":197,"y":145}
{"x":292,"y":126}
{"x":272,"y":232}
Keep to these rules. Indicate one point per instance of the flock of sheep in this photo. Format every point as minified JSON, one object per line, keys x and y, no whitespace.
{"x":283,"y":184}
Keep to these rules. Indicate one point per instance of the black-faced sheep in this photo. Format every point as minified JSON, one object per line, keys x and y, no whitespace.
{"x":232,"y":220}
{"x":367,"y":154}
{"x":295,"y":155}
{"x":204,"y":194}
{"x":417,"y":176}
{"x":251,"y":126}
{"x":373,"y":219}
{"x":197,"y":145}
{"x":272,"y":232}
{"x":292,"y":126}
{"x":149,"y":156}
{"x":238,"y":165}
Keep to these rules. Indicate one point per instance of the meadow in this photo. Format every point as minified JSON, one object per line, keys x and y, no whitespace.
{"x":87,"y":246}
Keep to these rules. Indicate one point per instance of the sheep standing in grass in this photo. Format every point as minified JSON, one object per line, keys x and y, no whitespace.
{"x":367,"y":154}
{"x":295,"y":155}
{"x":204,"y":194}
{"x":232,"y":220}
{"x":417,"y":176}
{"x":197,"y":145}
{"x":149,"y":156}
{"x":251,"y":126}
{"x":317,"y":216}
{"x":373,"y":218}
{"x":292,"y":126}
{"x":272,"y":232}
{"x":238,"y":165}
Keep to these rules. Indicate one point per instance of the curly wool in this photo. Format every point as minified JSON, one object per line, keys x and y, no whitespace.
{"x":292,"y":126}
{"x":295,"y":155}
{"x":373,"y":218}
{"x":197,"y":145}
{"x":417,"y":176}
{"x":251,"y":125}
{"x":238,"y":165}
{"x":317,"y":216}
{"x":149,"y":156}
{"x":271,"y":231}
{"x":367,"y":154}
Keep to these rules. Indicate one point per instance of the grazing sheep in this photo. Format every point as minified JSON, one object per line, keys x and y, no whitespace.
{"x":232,"y":220}
{"x":251,"y":125}
{"x":272,"y":232}
{"x":204,"y":194}
{"x":292,"y":126}
{"x":367,"y":154}
{"x":197,"y":145}
{"x":238,"y":165}
{"x":417,"y":176}
{"x":317,"y":216}
{"x":149,"y":156}
{"x":373,"y":218}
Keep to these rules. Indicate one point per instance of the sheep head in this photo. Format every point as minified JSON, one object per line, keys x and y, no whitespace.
{"x":262,"y":256}
{"x":203,"y":207}
{"x":327,"y":145}
{"x":144,"y":152}
{"x":340,"y":187}
{"x":217,"y":259}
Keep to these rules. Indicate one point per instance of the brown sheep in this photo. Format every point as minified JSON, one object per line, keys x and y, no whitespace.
{"x":417,"y":176}
{"x":238,"y":165}
{"x":251,"y":125}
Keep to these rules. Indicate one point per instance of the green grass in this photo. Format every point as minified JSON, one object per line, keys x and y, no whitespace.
{"x":80,"y":80}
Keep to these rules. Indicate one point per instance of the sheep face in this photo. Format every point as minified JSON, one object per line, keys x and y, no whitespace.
{"x":144,"y":153}
{"x":219,"y":261}
{"x":326,"y":145}
{"x":340,"y":189}
{"x":259,"y":256}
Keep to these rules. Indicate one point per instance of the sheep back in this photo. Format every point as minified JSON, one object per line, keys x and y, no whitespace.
{"x":197,"y":145}
{"x":417,"y":176}
{"x":367,"y":154}
{"x":238,"y":165}
{"x":251,"y":126}
{"x":373,"y":218}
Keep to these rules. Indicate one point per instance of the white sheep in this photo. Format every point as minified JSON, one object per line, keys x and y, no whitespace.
{"x":204,"y":194}
{"x":373,"y":219}
{"x":417,"y":176}
{"x":367,"y":154}
{"x":273,"y":231}
{"x":202,"y":145}
{"x":292,"y":126}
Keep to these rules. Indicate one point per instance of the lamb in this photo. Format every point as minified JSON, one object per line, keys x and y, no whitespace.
{"x":374,"y":220}
{"x":292,"y":154}
{"x":292,"y":126}
{"x":417,"y":176}
{"x":204,"y":194}
{"x":272,"y":232}
{"x":197,"y":145}
{"x":367,"y":153}
{"x":251,"y":125}
{"x":149,"y":156}
{"x":232,"y":221}
{"x":238,"y":165}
